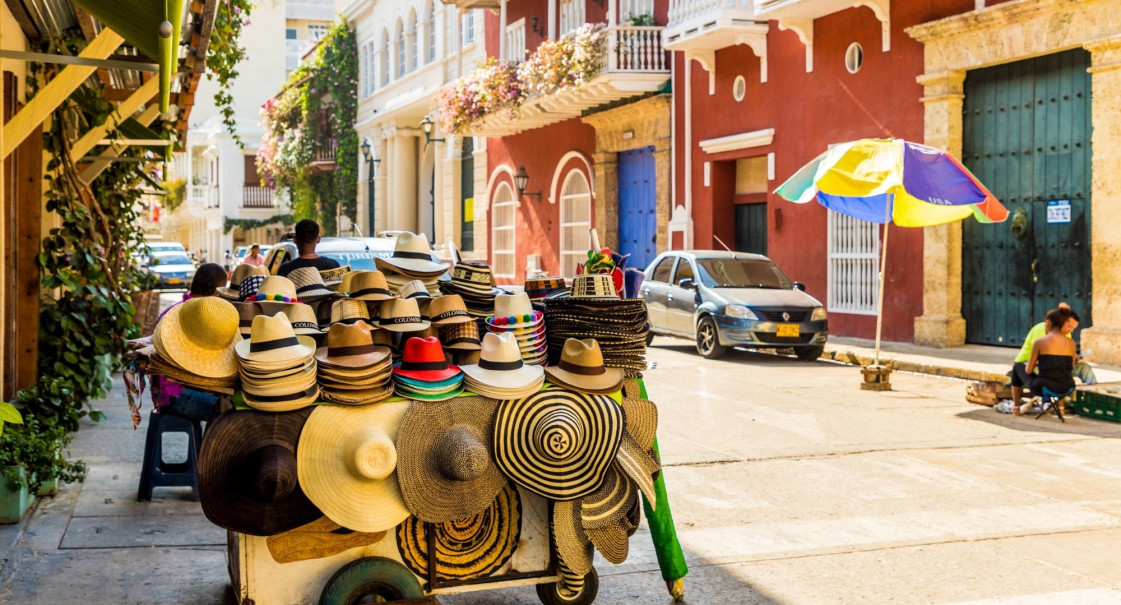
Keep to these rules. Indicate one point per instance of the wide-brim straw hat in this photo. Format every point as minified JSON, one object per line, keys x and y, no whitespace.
{"x":351,"y":346}
{"x":573,"y":547}
{"x":501,"y":394}
{"x":199,"y":336}
{"x":558,"y":443}
{"x":475,"y":546}
{"x":233,"y":291}
{"x":613,"y":541}
{"x":303,"y":319}
{"x":309,"y":285}
{"x":581,"y":368}
{"x":290,"y":383}
{"x":412,"y":256}
{"x":444,"y":462}
{"x":365,"y":397}
{"x":349,"y":311}
{"x":401,"y":315}
{"x":273,"y":341}
{"x":515,"y":311}
{"x":642,"y":414}
{"x":462,"y":336}
{"x":500,"y":366}
{"x":282,"y":403}
{"x":474,"y":277}
{"x":248,"y":476}
{"x":399,"y":391}
{"x":448,"y":309}
{"x":367,"y":285}
{"x":612,"y":500}
{"x":414,"y":289}
{"x":348,"y":464}
{"x":275,"y":293}
{"x":639,"y":466}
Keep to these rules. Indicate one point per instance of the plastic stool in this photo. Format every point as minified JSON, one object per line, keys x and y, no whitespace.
{"x":1051,"y":399}
{"x":158,"y":473}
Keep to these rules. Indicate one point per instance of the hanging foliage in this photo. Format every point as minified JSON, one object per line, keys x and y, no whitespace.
{"x":223,"y":56}
{"x":310,"y":147}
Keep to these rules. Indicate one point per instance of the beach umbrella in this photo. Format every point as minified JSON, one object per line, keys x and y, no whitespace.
{"x":892,"y":181}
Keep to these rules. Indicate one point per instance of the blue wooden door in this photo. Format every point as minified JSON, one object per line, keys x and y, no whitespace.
{"x":638,"y":221}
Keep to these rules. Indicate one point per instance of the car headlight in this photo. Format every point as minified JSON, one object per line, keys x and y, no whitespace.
{"x":819,"y":314}
{"x":739,"y":312}
{"x":190,"y":274}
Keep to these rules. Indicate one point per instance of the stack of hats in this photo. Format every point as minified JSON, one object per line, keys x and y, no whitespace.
{"x":367,"y":286}
{"x":352,"y":370}
{"x":424,"y":372}
{"x":309,"y":285}
{"x":275,"y":293}
{"x":514,"y":314}
{"x":254,"y":273}
{"x":194,"y":344}
{"x":540,"y":287}
{"x":333,"y":278}
{"x":474,"y":282}
{"x":594,"y":311}
{"x":500,"y":373}
{"x":303,"y":320}
{"x":277,"y":366}
{"x":412,"y":259}
{"x":581,"y":368}
{"x":348,"y":311}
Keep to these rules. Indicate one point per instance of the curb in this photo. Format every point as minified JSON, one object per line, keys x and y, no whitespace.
{"x":850,"y":358}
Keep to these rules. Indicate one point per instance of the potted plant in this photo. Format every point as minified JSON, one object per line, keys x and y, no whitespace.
{"x":31,"y":455}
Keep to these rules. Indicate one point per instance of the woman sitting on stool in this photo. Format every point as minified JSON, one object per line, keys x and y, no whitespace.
{"x":1051,"y":364}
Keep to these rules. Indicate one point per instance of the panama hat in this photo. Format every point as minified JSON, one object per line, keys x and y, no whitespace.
{"x":303,"y":319}
{"x":611,"y":501}
{"x":249,"y":286}
{"x":500,"y":369}
{"x":411,"y":256}
{"x":363,"y":397}
{"x":642,"y":414}
{"x":514,"y":311}
{"x":247,"y":473}
{"x":581,"y":368}
{"x":199,"y":335}
{"x":540,"y":287}
{"x":233,"y":292}
{"x":460,"y":336}
{"x":401,"y":315}
{"x":349,"y":311}
{"x":444,"y":462}
{"x":462,"y":357}
{"x":558,"y":443}
{"x":246,"y":311}
{"x":348,"y":464}
{"x":573,"y":547}
{"x":273,"y":341}
{"x":448,"y":309}
{"x":332,"y":278}
{"x":367,"y":285}
{"x":318,"y":539}
{"x":309,"y":285}
{"x":275,"y":293}
{"x":597,"y":286}
{"x":413,"y":289}
{"x":473,"y":277}
{"x":475,"y":546}
{"x":350,"y":346}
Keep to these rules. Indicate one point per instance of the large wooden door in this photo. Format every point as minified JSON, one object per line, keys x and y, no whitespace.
{"x":467,"y":194}
{"x":1027,"y":137}
{"x":751,"y":228}
{"x":637,"y":217}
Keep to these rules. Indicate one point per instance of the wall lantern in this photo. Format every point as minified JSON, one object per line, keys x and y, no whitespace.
{"x":427,"y":125}
{"x":521,"y":179}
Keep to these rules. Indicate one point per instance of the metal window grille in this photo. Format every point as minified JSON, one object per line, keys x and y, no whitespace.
{"x":854,"y":256}
{"x":503,"y":211}
{"x":576,"y":220}
{"x":515,"y":42}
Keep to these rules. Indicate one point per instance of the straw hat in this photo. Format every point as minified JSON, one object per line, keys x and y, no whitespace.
{"x":557,"y":443}
{"x":642,"y":414}
{"x":461,"y":336}
{"x":639,"y":466}
{"x":309,"y":285}
{"x":302,"y":318}
{"x":401,"y":315}
{"x":423,"y":359}
{"x":500,"y":367}
{"x":613,"y":541}
{"x":540,"y":287}
{"x":474,"y":277}
{"x":351,"y":346}
{"x":233,"y":292}
{"x":475,"y":546}
{"x":444,"y":462}
{"x":273,"y":341}
{"x":413,"y":289}
{"x":412,"y":256}
{"x":349,"y":311}
{"x":348,"y":464}
{"x":595,"y":286}
{"x":332,"y":278}
{"x":247,"y":473}
{"x":275,"y":293}
{"x":514,"y":311}
{"x":249,"y":286}
{"x":461,"y":357}
{"x":366,"y":285}
{"x":448,"y":309}
{"x":574,"y":548}
{"x":581,"y":368}
{"x":199,"y":336}
{"x":611,"y":500}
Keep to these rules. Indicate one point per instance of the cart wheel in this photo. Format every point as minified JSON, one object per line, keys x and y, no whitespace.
{"x":550,"y":595}
{"x":371,"y":580}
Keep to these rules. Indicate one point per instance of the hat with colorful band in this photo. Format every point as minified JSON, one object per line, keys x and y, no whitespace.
{"x":249,"y":286}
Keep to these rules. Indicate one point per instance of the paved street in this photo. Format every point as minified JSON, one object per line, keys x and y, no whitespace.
{"x":789,"y":485}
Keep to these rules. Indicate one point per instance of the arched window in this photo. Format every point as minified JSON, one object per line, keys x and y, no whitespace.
{"x":414,"y":40}
{"x":575,"y":220}
{"x":383,"y":60}
{"x":430,"y":32}
{"x":401,"y":54}
{"x":503,"y":212}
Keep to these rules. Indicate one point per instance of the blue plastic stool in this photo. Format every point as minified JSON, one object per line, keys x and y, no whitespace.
{"x":158,"y":473}
{"x":1050,"y":398}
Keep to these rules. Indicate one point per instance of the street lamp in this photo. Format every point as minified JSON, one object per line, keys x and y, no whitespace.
{"x":427,"y":125}
{"x":521,"y":179}
{"x":371,"y":159}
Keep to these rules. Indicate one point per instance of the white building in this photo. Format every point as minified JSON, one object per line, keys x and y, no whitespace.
{"x":408,"y":50}
{"x":221,"y":177}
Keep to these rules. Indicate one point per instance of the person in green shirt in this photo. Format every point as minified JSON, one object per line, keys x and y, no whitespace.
{"x":1082,"y":370}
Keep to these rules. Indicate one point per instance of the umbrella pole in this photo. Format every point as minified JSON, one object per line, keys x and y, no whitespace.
{"x":880,"y":293}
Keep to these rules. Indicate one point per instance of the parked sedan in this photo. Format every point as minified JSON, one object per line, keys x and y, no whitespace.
{"x":173,"y":269}
{"x":729,"y":299}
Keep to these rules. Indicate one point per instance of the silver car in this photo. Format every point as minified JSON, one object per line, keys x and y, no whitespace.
{"x":173,"y":270}
{"x":732,"y":299}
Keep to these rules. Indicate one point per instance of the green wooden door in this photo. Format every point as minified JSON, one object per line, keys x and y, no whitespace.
{"x":1027,"y":137}
{"x":467,"y":192}
{"x":751,"y":228}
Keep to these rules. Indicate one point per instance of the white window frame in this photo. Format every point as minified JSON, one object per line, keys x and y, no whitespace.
{"x":575,"y":255}
{"x":503,"y":197}
{"x":383,"y":62}
{"x":853,"y":249}
{"x":514,"y":51}
{"x":430,"y":34}
{"x":414,"y":44}
{"x":469,"y":27}
{"x":402,"y":56}
{"x":321,"y":28}
{"x":572,"y":15}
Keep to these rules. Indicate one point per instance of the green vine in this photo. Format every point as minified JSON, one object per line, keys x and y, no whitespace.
{"x":176,"y":194}
{"x":251,"y":223}
{"x":223,"y":56}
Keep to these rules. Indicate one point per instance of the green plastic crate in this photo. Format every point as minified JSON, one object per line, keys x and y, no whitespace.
{"x":1101,"y":401}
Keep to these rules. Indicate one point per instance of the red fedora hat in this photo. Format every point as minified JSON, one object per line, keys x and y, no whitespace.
{"x":423,"y":359}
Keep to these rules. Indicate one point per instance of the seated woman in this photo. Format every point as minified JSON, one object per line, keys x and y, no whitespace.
{"x":1053,"y":356}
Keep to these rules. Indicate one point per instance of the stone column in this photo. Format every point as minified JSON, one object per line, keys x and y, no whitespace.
{"x":607,"y":198}
{"x":663,"y":167}
{"x":381,"y":183}
{"x":403,"y":198}
{"x":1105,"y":69}
{"x":941,"y":324}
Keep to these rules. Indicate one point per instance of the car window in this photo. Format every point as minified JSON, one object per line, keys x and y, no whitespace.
{"x":742,"y":273}
{"x":684,"y":271}
{"x":280,"y":258}
{"x":171,"y":259}
{"x":662,"y":271}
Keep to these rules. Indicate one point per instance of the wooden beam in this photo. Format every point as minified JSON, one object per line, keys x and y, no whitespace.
{"x":19,"y":11}
{"x":56,"y":91}
{"x":125,"y":110}
{"x":97,"y":167}
{"x":85,"y":21}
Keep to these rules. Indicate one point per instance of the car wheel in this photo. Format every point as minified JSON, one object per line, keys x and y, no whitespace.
{"x":809,"y":353}
{"x":708,"y":341}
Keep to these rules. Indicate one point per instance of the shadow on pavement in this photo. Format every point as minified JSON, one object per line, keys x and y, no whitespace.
{"x":1049,"y":423}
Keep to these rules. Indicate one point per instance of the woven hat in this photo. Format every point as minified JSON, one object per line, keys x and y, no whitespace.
{"x":642,"y":414}
{"x":348,"y":464}
{"x":444,"y":462}
{"x":247,"y":473}
{"x":309,"y":285}
{"x":619,"y":326}
{"x":367,"y":285}
{"x":411,"y":256}
{"x":351,"y":346}
{"x":633,"y":460}
{"x":540,"y":287}
{"x":348,"y":311}
{"x":461,"y":336}
{"x":332,"y":278}
{"x":515,"y":311}
{"x":413,"y":289}
{"x":461,"y":357}
{"x":273,"y":341}
{"x":557,"y":443}
{"x":611,"y":501}
{"x":423,"y":359}
{"x":401,"y":315}
{"x":581,"y":368}
{"x":249,"y":286}
{"x":613,"y":541}
{"x":472,"y":547}
{"x":275,"y":293}
{"x":302,"y":318}
{"x":474,"y":277}
{"x":500,"y":368}
{"x":199,"y":335}
{"x":573,"y":547}
{"x":448,"y":309}
{"x":594,"y":286}
{"x":233,"y":292}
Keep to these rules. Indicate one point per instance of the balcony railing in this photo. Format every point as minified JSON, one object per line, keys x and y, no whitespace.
{"x":636,"y":48}
{"x":684,"y":10}
{"x":256,"y":196}
{"x":206,"y":195}
{"x":311,"y":10}
{"x":325,"y":158}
